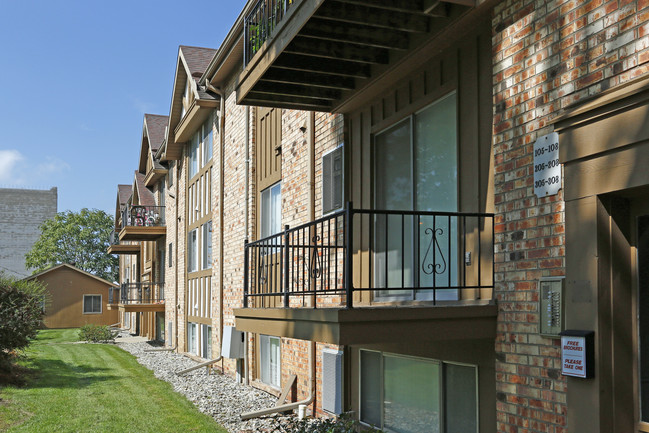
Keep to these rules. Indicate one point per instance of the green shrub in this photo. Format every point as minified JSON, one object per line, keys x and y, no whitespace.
{"x":21,"y":315}
{"x":96,"y":333}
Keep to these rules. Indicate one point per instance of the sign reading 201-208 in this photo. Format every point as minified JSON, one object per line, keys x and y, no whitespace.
{"x":547,"y":169}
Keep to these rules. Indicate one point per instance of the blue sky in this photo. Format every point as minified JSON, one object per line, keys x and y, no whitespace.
{"x":76,"y":78}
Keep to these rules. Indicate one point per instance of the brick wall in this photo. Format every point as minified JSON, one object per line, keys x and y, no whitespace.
{"x":21,"y":212}
{"x":548,"y":56}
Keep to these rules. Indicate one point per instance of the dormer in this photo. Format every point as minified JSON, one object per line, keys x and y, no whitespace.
{"x":153,"y":133}
{"x":191,"y":103}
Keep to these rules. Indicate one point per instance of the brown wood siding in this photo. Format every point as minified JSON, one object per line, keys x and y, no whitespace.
{"x":465,"y":69}
{"x":269,"y":139}
{"x":64,"y":309}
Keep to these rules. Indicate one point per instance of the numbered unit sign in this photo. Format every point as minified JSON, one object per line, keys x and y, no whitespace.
{"x":547,"y":170}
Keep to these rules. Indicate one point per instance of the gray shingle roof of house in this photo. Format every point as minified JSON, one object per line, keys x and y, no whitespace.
{"x":145,"y":195}
{"x":123,"y":193}
{"x":156,"y":125}
{"x":197,"y":59}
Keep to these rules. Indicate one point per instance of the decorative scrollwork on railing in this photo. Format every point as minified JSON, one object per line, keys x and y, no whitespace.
{"x":263,"y":270}
{"x":437,"y":268}
{"x":315,"y":264}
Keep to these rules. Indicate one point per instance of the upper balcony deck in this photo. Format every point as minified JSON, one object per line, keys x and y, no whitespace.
{"x":362,"y":266}
{"x":142,"y":223}
{"x":319,"y":54}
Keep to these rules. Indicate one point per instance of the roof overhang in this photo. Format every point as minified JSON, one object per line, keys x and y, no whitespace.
{"x":193,"y":119}
{"x":373,"y":325}
{"x":330,"y":55}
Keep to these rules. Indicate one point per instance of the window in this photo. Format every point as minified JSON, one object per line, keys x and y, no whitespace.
{"x":207,"y":141}
{"x":161,"y":200}
{"x":192,"y":337}
{"x":332,"y":180}
{"x":193,"y":155}
{"x":409,"y":395}
{"x":270,"y":367}
{"x":192,"y":251}
{"x":416,"y":169}
{"x":206,"y":230}
{"x":206,"y":346}
{"x":170,"y":255}
{"x":170,"y":175}
{"x":91,"y":304}
{"x":271,"y":210}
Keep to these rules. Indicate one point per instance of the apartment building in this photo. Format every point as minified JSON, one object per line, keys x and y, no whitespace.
{"x":431,"y":214}
{"x":140,"y":239}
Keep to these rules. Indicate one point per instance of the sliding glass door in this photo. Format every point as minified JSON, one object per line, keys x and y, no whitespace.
{"x":416,"y":170}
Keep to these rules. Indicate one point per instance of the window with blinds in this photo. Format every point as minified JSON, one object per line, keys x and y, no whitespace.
{"x":332,"y":181}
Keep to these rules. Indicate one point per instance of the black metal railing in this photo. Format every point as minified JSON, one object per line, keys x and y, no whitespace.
{"x":142,"y":293}
{"x":383,"y":255}
{"x":113,"y":295}
{"x":146,"y":216}
{"x":260,"y":22}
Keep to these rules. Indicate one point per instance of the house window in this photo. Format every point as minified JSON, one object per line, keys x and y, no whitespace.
{"x":170,"y":255}
{"x":193,"y":155}
{"x":192,"y":251}
{"x":206,"y":230}
{"x":416,"y":169}
{"x":170,"y":175}
{"x":332,"y":180}
{"x":270,"y":365}
{"x":271,"y":210}
{"x":207,"y":141}
{"x":91,"y":304}
{"x":410,"y":395}
{"x":192,"y":338}
{"x":206,"y":343}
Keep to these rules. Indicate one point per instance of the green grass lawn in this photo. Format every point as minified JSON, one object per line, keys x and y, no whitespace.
{"x":93,"y":388}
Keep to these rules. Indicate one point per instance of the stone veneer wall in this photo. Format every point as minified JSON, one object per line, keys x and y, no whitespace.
{"x":548,"y":56}
{"x":21,"y":213}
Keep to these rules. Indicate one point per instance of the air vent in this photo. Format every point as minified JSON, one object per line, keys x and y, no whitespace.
{"x":332,"y":381}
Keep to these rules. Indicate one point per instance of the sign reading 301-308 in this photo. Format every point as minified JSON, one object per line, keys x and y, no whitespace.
{"x":547,"y":170}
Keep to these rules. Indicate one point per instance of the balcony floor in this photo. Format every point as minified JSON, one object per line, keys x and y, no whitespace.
{"x":142,"y":233}
{"x":421,"y":324}
{"x":137,"y":308}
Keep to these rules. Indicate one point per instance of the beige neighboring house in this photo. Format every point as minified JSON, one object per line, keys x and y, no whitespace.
{"x":75,"y":297}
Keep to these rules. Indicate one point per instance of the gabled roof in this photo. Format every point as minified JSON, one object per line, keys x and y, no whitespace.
{"x":155,"y":125}
{"x":74,"y":268}
{"x":190,"y":66}
{"x":141,"y":194}
{"x":153,"y":134}
{"x":123,"y":193}
{"x":197,"y":59}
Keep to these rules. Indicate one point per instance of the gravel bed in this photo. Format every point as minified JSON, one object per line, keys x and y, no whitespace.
{"x":217,"y":395}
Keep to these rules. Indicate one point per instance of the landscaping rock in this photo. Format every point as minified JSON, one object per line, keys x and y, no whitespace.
{"x":217,"y":395}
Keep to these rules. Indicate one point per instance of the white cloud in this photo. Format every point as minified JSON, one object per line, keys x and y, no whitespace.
{"x":9,"y":161}
{"x":17,"y":170}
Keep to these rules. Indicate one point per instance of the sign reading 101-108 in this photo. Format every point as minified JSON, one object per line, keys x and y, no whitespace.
{"x":547,"y":170}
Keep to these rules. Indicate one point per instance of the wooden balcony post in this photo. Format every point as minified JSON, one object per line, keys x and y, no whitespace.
{"x":287,"y":265}
{"x":246,"y":270}
{"x":349,"y":254}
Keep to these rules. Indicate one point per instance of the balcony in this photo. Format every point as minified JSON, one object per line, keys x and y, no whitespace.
{"x":142,"y":223}
{"x":361,"y":275}
{"x":138,"y":297}
{"x":320,"y":54}
{"x":116,"y":247}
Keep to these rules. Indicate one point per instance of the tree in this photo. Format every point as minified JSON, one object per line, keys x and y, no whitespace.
{"x":21,"y":315}
{"x":81,"y":239}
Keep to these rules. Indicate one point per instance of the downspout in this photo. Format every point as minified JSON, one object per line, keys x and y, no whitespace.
{"x":246,"y":371}
{"x":177,"y":228}
{"x":312,"y":344}
{"x":221,"y":230}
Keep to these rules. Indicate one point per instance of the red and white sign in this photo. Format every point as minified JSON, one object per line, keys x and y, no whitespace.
{"x":573,"y":356}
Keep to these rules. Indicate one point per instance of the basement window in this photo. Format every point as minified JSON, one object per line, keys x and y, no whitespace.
{"x":409,"y":395}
